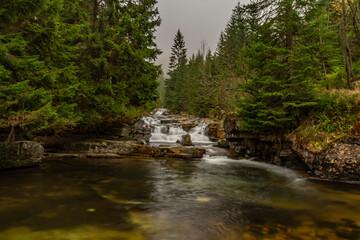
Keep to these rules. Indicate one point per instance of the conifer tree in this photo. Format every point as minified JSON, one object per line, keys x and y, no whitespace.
{"x":177,"y":66}
{"x":279,"y":88}
{"x":75,"y":63}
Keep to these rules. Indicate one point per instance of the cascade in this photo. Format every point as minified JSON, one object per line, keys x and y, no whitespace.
{"x":165,"y":130}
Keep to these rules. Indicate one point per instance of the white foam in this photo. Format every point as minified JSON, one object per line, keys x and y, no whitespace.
{"x":223,"y":160}
{"x":170,"y":133}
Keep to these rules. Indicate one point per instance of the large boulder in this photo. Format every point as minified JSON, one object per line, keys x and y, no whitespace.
{"x":186,"y":140}
{"x":139,"y":131}
{"x":20,"y":154}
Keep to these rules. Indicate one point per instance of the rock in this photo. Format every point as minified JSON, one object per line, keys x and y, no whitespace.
{"x":140,"y":131}
{"x":169,"y":152}
{"x":230,"y":124}
{"x":125,"y":132}
{"x":188,"y":126}
{"x":103,"y":147}
{"x":223,"y":143}
{"x":186,"y":140}
{"x":169,"y":121}
{"x":20,"y":154}
{"x":232,"y":131}
{"x":339,"y":162}
{"x":83,"y":155}
{"x":212,"y":130}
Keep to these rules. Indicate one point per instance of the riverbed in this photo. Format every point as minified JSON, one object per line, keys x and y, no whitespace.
{"x":212,"y":198}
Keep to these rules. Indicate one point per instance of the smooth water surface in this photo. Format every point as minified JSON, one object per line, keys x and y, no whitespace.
{"x":214,"y":198}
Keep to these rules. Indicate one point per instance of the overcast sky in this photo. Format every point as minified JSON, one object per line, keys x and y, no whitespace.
{"x":198,"y":20}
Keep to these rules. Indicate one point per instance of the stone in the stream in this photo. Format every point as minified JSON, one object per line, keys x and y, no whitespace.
{"x":186,"y":140}
{"x":20,"y":154}
{"x":169,"y":121}
{"x":169,"y":152}
{"x":223,"y":143}
{"x":188,"y":126}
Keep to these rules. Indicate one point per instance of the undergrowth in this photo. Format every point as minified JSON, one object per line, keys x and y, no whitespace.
{"x":337,"y":115}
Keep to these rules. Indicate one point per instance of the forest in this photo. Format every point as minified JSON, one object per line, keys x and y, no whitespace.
{"x":76,"y":64}
{"x":279,"y":65}
{"x":81,"y":65}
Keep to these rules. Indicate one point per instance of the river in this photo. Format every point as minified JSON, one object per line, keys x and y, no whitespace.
{"x":214,"y":198}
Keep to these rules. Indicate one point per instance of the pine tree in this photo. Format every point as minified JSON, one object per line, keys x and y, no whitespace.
{"x":75,"y":63}
{"x":33,"y":62}
{"x":177,"y":68}
{"x":279,"y":88}
{"x":178,"y":52}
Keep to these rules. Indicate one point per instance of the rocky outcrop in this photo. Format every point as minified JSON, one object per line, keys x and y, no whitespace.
{"x":169,"y":121}
{"x":339,"y":162}
{"x":83,"y":155}
{"x":20,"y":154}
{"x":188,"y":126}
{"x":186,"y":140}
{"x":93,"y":147}
{"x":139,"y":132}
{"x":169,"y":152}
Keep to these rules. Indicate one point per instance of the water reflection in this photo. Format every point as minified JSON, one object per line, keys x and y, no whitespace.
{"x":215,"y":198}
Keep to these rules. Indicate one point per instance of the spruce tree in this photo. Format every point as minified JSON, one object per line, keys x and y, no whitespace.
{"x":75,"y":63}
{"x":35,"y":72}
{"x":177,"y":66}
{"x":279,"y":89}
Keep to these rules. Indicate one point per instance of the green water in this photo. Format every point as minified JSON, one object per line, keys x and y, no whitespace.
{"x":215,"y":199}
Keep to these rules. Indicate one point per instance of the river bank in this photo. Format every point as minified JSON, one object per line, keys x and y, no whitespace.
{"x":220,"y":195}
{"x":159,"y":135}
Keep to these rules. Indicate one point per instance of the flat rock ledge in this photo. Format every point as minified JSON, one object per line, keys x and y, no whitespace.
{"x":20,"y":154}
{"x":120,"y":149}
{"x":169,"y":152}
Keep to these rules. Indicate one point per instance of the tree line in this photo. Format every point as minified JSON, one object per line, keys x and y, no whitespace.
{"x":71,"y":64}
{"x":272,"y":65}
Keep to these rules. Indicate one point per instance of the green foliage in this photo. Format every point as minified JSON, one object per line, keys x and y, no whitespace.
{"x":175,"y":85}
{"x":271,"y":62}
{"x":337,"y":111}
{"x":78,"y":63}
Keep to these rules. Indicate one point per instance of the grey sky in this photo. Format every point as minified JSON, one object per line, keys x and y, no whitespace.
{"x":198,"y":20}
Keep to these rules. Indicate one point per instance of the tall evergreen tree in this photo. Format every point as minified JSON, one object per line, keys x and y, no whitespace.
{"x":177,"y":66}
{"x":279,"y":88}
{"x":75,"y":63}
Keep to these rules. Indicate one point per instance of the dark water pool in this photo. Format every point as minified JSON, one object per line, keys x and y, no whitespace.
{"x":215,"y":198}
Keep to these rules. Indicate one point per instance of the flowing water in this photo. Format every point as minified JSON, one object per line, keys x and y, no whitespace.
{"x":214,"y":198}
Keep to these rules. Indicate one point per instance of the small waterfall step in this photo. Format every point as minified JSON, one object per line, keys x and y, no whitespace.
{"x":168,"y":130}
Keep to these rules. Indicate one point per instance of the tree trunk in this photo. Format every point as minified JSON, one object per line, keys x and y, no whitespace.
{"x":355,"y":10}
{"x":324,"y":66}
{"x":345,"y":46}
{"x":95,"y":14}
{"x":11,"y":137}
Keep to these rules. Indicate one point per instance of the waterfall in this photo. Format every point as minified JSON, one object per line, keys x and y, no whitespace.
{"x":165,"y":130}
